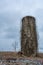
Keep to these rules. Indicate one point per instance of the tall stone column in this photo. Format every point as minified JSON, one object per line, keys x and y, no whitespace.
{"x":29,"y":43}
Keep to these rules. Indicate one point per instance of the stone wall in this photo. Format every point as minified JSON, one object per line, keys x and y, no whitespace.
{"x":29,"y":36}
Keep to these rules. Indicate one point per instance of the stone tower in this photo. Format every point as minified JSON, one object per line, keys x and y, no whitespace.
{"x":29,"y":36}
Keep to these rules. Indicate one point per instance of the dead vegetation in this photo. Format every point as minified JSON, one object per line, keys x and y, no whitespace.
{"x":6,"y":55}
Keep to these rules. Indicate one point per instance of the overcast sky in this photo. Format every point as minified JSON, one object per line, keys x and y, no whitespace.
{"x":11,"y":13}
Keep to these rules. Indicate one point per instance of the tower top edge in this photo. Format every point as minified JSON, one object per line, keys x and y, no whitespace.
{"x":32,"y":17}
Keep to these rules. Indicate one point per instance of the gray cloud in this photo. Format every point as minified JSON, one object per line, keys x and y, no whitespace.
{"x":11,"y":13}
{"x":10,"y":24}
{"x":12,"y":33}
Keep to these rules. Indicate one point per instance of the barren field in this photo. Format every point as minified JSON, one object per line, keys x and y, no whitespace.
{"x":5,"y":55}
{"x":12,"y":58}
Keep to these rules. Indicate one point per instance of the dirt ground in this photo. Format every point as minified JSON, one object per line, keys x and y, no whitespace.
{"x":5,"y":55}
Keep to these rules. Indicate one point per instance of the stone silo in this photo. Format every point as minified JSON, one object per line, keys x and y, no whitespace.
{"x":29,"y":43}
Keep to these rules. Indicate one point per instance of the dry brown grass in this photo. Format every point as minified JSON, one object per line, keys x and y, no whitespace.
{"x":6,"y":55}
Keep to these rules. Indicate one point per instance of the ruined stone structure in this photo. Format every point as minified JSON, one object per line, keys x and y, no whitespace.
{"x":29,"y":36}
